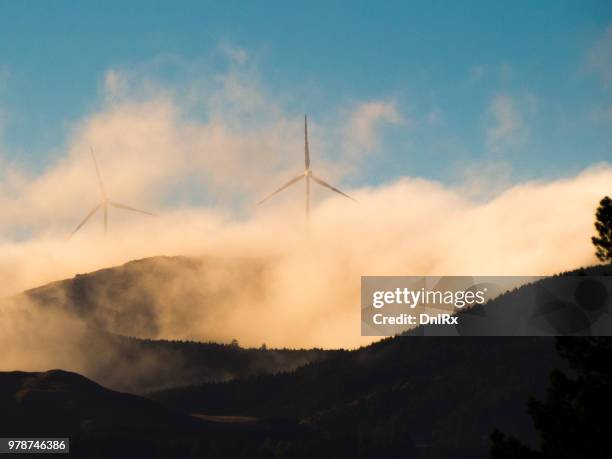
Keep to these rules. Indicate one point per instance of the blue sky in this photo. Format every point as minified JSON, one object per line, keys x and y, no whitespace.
{"x":526,"y":86}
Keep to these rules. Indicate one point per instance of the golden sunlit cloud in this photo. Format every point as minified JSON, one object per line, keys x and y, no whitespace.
{"x":152,"y":155}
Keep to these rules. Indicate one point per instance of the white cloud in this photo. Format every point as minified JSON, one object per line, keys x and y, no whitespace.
{"x":363,"y":128}
{"x":114,"y":83}
{"x":150,"y":148}
{"x":484,"y":180}
{"x":406,"y":227}
{"x":507,"y":122}
{"x":508,"y":118}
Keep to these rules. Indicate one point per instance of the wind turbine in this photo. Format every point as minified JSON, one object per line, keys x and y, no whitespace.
{"x":105,"y":202}
{"x":307,"y":175}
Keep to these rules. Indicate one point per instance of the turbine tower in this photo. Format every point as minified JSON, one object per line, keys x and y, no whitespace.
{"x":307,"y":175}
{"x":105,"y":203}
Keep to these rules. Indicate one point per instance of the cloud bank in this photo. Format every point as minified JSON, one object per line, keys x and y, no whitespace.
{"x":203,"y":176}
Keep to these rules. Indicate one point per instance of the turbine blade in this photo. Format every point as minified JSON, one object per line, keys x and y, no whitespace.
{"x":289,"y":183}
{"x":327,"y":185}
{"x":306,"y":149}
{"x":86,"y":219}
{"x":100,"y":182}
{"x":124,"y":207}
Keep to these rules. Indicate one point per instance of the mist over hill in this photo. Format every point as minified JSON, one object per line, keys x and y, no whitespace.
{"x":91,"y":323}
{"x":421,"y":396}
{"x":78,"y":322}
{"x":138,"y":366}
{"x":157,"y":297}
{"x":255,"y":299}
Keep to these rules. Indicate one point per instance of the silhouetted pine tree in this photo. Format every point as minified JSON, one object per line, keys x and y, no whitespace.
{"x":574,"y":421}
{"x":603,"y":243}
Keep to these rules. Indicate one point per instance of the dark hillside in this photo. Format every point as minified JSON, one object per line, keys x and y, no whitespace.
{"x":59,"y":402}
{"x":101,"y":423}
{"x":446,"y":393}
